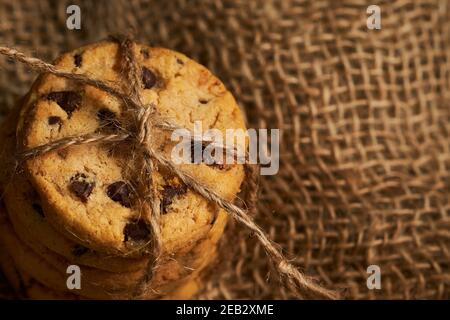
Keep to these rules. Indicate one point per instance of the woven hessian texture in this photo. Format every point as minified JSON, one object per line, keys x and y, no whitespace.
{"x":365,"y":117}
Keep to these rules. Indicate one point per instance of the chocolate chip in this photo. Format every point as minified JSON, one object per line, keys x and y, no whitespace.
{"x":179,"y":61}
{"x":52,"y":120}
{"x":107,"y":118}
{"x":148,"y":78}
{"x":203,"y":101}
{"x":81,"y":186}
{"x":136,"y":230}
{"x":78,"y":58}
{"x":195,"y":144}
{"x":69,"y":101}
{"x":79,"y":250}
{"x":37,"y":207}
{"x":208,"y":158}
{"x":169,"y":193}
{"x":145,"y":53}
{"x":120,"y":191}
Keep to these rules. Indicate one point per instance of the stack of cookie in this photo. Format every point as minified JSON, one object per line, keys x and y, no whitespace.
{"x":76,"y":209}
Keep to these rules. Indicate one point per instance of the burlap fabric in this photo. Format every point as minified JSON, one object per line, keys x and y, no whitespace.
{"x":365,"y":117}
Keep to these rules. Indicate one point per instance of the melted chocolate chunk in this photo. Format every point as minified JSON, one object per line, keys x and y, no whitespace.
{"x":105,"y":114}
{"x":77,"y":59}
{"x":197,"y":144}
{"x":69,"y":101}
{"x":52,"y":120}
{"x":81,"y":186}
{"x":107,"y":118}
{"x":37,"y":207}
{"x":203,"y":101}
{"x":148,"y":78}
{"x":120,"y":191}
{"x":169,"y":193}
{"x":211,"y":161}
{"x":136,"y":230}
{"x":79,"y":250}
{"x":208,"y":159}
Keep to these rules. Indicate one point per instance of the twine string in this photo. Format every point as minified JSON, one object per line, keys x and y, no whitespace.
{"x":146,"y":118}
{"x":130,"y":71}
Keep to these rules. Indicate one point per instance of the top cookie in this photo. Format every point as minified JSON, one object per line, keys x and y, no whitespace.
{"x":86,"y":189}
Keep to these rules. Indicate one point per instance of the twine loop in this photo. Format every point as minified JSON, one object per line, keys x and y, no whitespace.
{"x":145,"y":126}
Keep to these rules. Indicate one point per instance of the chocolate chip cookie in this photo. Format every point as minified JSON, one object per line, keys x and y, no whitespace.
{"x":85,"y":189}
{"x":28,"y":218}
{"x":28,"y":262}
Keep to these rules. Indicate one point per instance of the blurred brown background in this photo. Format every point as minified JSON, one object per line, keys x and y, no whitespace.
{"x":365,"y":117}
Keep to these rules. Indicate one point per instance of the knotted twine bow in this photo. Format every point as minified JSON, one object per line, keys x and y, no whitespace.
{"x":144,"y":119}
